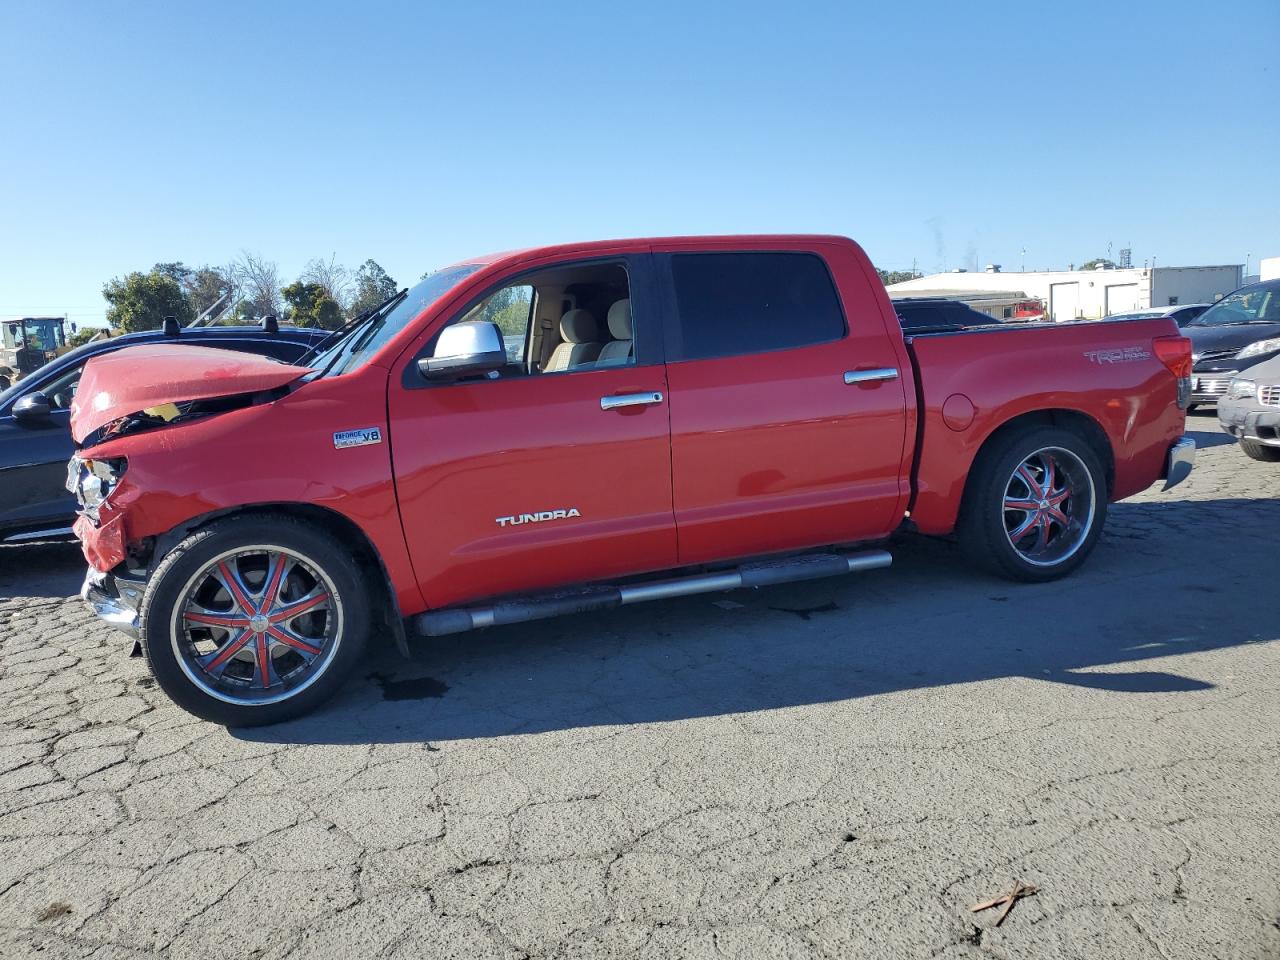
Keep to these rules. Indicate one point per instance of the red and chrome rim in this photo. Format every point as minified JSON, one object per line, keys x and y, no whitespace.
{"x":257,"y":625}
{"x":1049,"y":506}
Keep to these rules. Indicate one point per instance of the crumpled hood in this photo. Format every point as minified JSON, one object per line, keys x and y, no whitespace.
{"x":128,"y":381}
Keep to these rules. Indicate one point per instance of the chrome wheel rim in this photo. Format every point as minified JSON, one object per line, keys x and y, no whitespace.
{"x":257,"y":625}
{"x":1049,"y":506}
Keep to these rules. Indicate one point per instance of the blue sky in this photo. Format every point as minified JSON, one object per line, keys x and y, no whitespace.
{"x":417,"y":134}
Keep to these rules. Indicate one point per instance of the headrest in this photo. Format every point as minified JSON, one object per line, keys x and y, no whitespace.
{"x":579,"y":326}
{"x":620,"y":320}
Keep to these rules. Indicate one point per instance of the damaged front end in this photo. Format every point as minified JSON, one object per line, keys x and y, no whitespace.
{"x":169,"y":414}
{"x":139,"y":390}
{"x":155,"y":385}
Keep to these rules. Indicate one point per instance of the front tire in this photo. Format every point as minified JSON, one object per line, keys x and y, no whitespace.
{"x":255,"y":619}
{"x":1034,"y":505}
{"x":1260,"y":451}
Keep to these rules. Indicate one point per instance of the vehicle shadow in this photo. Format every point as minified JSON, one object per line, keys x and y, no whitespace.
{"x":1209,"y":437}
{"x":48,"y":568}
{"x":1167,"y":579}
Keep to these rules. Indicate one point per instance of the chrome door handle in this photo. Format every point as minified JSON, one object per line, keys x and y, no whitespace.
{"x":630,"y":400}
{"x":870,"y":376}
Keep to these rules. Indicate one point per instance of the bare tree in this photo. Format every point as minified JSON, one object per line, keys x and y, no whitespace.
{"x":332,"y":276}
{"x":259,"y":283}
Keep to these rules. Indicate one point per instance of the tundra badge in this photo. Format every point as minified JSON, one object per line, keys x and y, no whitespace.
{"x":537,"y":517}
{"x":357,"y":438}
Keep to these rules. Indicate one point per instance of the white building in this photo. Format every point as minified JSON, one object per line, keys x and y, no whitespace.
{"x":1269,"y":268}
{"x":1088,"y":294}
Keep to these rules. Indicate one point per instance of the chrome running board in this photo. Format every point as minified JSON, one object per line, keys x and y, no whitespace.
{"x":435,"y":623}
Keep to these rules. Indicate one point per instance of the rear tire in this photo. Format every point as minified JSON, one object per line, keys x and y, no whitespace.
{"x":1260,"y":451}
{"x":1034,"y":505}
{"x":255,"y":619}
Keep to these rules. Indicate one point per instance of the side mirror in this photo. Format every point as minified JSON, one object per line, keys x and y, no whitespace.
{"x":33,"y":408}
{"x":465,"y":350}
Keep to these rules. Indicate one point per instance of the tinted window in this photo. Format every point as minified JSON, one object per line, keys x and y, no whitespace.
{"x":733,"y":303}
{"x":921,"y":316}
{"x":915,"y":316}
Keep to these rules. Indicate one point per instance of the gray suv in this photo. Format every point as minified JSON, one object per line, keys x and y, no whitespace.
{"x":1250,"y":411}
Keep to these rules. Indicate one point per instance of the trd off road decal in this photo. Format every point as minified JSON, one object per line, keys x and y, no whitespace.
{"x":357,"y":438}
{"x":1118,"y":355}
{"x":539,"y":517}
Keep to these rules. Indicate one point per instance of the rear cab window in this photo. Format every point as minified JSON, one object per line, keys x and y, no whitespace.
{"x":729,"y":304}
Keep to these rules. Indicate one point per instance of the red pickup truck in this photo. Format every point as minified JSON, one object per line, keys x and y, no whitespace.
{"x":576,"y":427}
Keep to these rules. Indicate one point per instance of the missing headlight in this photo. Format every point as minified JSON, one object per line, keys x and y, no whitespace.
{"x":92,"y":481}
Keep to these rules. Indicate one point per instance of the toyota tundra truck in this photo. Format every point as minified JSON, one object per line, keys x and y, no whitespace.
{"x":578,"y":427}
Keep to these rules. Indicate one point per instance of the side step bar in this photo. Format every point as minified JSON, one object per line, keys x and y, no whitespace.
{"x":436,"y":623}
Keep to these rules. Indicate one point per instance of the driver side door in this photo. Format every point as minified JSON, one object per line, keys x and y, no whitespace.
{"x":555,"y":470}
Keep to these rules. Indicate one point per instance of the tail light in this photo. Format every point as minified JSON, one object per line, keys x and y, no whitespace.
{"x":1175,"y":353}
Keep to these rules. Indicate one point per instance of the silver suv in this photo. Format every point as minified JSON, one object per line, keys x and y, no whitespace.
{"x":1250,"y":410}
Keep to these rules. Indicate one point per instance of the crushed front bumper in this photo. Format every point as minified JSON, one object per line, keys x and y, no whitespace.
{"x":116,"y":600}
{"x":1178,"y":464}
{"x":1248,"y":420}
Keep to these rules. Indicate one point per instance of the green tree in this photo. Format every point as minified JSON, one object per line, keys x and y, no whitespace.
{"x":141,"y":301}
{"x":1097,"y":262}
{"x":309,"y":305}
{"x":206,"y":285}
{"x":897,"y":276}
{"x":372,"y":287}
{"x":177,"y":270}
{"x":84,"y":335}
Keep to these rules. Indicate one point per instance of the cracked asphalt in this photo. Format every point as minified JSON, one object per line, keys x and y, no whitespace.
{"x":832,"y":769}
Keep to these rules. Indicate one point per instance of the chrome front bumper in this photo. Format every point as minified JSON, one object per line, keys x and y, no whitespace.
{"x":1182,"y":457}
{"x":113,"y":599}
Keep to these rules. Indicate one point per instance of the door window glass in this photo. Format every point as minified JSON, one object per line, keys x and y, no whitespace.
{"x":735,"y":303}
{"x":510,"y":308}
{"x":62,"y":389}
{"x":560,"y":320}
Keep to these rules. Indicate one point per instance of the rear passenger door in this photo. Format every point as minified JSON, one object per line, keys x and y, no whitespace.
{"x":788,"y":412}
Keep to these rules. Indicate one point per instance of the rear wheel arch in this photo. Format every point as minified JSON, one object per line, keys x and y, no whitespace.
{"x":1085,"y":426}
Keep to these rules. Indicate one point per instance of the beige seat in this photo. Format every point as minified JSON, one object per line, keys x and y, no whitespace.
{"x":622,"y":348}
{"x":580,"y":334}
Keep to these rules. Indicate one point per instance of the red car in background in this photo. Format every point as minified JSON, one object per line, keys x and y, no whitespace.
{"x":577,"y":427}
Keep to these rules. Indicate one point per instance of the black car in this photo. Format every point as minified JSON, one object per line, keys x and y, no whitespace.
{"x":35,"y":436}
{"x":928,"y":314}
{"x":1241,"y":329}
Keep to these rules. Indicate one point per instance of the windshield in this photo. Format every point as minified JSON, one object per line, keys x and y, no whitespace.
{"x":366,"y":339}
{"x":1259,"y":303}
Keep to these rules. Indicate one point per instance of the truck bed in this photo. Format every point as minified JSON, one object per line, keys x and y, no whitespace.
{"x":1101,"y":374}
